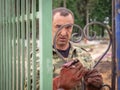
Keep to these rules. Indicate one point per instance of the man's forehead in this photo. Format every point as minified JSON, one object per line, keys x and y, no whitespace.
{"x":58,"y":14}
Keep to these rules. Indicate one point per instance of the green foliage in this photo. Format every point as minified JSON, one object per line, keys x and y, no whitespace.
{"x":102,"y":9}
{"x":57,"y":3}
{"x":97,"y":9}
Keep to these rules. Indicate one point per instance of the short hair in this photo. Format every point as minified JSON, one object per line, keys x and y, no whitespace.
{"x":63,"y":11}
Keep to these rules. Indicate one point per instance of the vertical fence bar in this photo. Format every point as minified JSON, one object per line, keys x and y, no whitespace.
{"x":18,"y":44}
{"x":23,"y":42}
{"x":14,"y":44}
{"x":45,"y":23}
{"x":2,"y":58}
{"x":113,"y":83}
{"x":3,"y":78}
{"x":6,"y":46}
{"x":117,"y":27}
{"x":0,"y":55}
{"x":0,"y":49}
{"x":7,"y":43}
{"x":1,"y":45}
{"x":10,"y":44}
{"x":28,"y":42}
{"x":1,"y":68}
{"x":34,"y":42}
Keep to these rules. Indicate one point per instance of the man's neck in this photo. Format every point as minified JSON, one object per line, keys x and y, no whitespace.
{"x":65,"y":52}
{"x":62,"y":47}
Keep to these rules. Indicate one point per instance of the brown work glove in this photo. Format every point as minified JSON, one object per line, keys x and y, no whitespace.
{"x":70,"y":76}
{"x":93,"y":80}
{"x":56,"y":83}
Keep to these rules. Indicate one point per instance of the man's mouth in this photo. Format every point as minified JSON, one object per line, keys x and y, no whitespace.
{"x":62,"y":39}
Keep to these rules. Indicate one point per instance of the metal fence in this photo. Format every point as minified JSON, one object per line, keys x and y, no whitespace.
{"x":22,"y":24}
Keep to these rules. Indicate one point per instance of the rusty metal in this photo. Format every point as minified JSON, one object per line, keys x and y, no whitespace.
{"x":105,"y":85}
{"x":113,"y":83}
{"x":83,"y":34}
{"x":92,"y":38}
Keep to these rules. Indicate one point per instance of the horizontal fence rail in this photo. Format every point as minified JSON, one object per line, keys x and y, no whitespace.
{"x":25,"y":27}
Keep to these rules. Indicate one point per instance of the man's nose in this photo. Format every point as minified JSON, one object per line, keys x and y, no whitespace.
{"x":63,"y":32}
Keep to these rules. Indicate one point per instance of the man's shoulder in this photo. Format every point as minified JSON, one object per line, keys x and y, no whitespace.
{"x":83,"y":55}
{"x":78,"y":49}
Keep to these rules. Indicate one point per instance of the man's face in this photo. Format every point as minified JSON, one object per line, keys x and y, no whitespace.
{"x":64,"y":34}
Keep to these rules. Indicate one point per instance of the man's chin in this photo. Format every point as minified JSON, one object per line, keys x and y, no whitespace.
{"x":62,"y":43}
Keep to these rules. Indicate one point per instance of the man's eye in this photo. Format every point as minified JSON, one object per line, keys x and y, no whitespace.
{"x":68,"y":27}
{"x":58,"y":26}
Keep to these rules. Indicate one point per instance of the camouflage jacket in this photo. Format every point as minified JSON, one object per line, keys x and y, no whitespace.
{"x":74,"y":52}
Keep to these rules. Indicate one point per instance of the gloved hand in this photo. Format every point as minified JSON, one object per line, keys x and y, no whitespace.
{"x":70,"y":76}
{"x":93,"y":80}
{"x":56,"y":83}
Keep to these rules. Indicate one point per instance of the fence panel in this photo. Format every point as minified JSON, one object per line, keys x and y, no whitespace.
{"x":25,"y":27}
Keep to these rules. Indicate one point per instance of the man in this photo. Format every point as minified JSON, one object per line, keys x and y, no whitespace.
{"x":75,"y":65}
{"x":65,"y":81}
